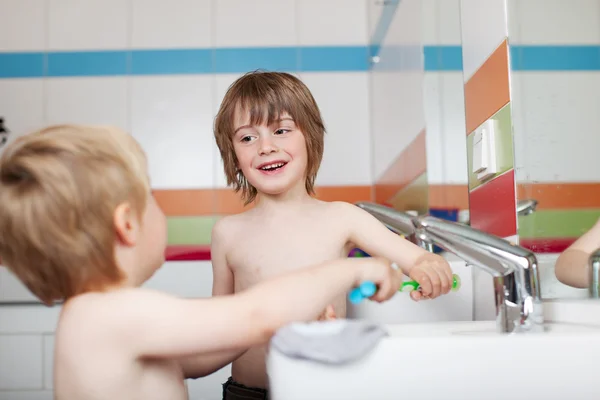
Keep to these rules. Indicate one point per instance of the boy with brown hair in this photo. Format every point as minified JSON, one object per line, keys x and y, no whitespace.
{"x":78,"y":224}
{"x":270,"y":134}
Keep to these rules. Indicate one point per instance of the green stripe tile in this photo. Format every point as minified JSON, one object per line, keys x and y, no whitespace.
{"x":189,"y":230}
{"x":504,"y":147}
{"x":557,"y":223}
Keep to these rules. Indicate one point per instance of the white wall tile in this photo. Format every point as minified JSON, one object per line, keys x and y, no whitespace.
{"x":484,"y":27}
{"x":397,"y":114}
{"x":555,"y":115}
{"x":48,"y":360}
{"x":172,"y":119}
{"x":430,"y":22}
{"x":407,"y":26}
{"x":554,"y":22}
{"x":12,"y":290}
{"x":89,"y":25}
{"x":339,"y":22}
{"x":454,"y":128}
{"x":345,"y":111}
{"x":240,"y":23}
{"x":21,"y":362}
{"x":435,"y":136}
{"x":23,"y":25}
{"x":448,"y":15}
{"x":446,"y":132}
{"x":97,"y":101}
{"x":34,"y":318}
{"x":22,"y":105}
{"x":209,"y":387}
{"x":183,"y":279}
{"x":171,"y":24}
{"x":27,"y":395}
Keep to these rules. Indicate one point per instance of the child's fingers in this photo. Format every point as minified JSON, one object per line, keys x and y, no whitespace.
{"x":416,"y":295}
{"x":422,"y":277}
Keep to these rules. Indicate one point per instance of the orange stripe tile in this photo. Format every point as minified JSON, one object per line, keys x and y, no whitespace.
{"x":409,"y":165}
{"x":488,"y":90}
{"x":197,"y":202}
{"x":449,"y":196}
{"x":561,"y":195}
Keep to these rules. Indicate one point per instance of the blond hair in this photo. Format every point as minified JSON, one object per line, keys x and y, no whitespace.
{"x":59,"y":188}
{"x":266,"y":96}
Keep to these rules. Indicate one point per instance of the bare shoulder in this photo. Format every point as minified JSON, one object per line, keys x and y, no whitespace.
{"x":344,"y":209}
{"x":228,"y":226}
{"x":107,"y":309}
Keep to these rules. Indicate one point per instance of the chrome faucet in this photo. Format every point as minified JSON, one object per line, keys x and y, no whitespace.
{"x":514,"y":269}
{"x":396,"y":221}
{"x":594,"y":274}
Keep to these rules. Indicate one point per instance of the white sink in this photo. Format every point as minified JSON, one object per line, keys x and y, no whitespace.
{"x":457,"y":361}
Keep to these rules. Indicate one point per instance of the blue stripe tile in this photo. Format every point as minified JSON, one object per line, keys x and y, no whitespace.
{"x":173,"y":61}
{"x":443,"y":58}
{"x":240,"y":60}
{"x":22,"y":65}
{"x":555,"y":58}
{"x":88,"y":63}
{"x":350,"y":58}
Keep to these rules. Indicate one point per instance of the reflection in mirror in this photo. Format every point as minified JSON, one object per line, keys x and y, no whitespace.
{"x":444,"y":111}
{"x":555,"y":86}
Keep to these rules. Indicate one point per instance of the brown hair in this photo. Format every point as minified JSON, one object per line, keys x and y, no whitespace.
{"x":265,"y":96}
{"x":59,"y":188}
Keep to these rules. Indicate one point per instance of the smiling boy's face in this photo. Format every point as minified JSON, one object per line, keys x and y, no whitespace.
{"x":272,"y":157}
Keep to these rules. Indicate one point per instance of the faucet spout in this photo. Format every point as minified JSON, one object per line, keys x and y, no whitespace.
{"x":514,"y":270}
{"x":594,"y":274}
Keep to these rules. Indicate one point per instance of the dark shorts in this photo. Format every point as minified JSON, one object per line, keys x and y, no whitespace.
{"x":236,"y":391}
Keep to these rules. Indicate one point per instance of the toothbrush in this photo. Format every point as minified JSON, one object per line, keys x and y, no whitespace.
{"x":368,"y":289}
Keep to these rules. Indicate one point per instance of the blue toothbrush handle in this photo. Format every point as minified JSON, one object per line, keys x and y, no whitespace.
{"x":364,"y":291}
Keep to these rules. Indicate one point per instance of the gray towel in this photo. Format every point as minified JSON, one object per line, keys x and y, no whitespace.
{"x":328,"y":342}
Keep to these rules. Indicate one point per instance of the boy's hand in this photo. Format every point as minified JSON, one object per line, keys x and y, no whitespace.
{"x":380,"y":271}
{"x":328,"y":314}
{"x":434,"y":275}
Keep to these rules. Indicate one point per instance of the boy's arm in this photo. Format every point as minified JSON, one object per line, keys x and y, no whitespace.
{"x":366,"y":232}
{"x":572,"y":265}
{"x":202,"y":365}
{"x":154,"y":324}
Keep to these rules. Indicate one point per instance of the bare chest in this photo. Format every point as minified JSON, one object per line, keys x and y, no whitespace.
{"x":270,"y":251}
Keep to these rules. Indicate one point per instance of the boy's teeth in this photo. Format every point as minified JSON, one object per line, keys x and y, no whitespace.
{"x":272,"y":166}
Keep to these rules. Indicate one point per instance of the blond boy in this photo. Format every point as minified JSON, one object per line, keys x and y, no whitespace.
{"x":78,"y":224}
{"x":270,"y":135}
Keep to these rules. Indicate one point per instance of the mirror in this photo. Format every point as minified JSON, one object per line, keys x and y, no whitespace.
{"x":444,"y":111}
{"x":555,"y":102}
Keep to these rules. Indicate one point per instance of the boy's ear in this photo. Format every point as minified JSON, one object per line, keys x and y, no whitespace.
{"x":126,"y":224}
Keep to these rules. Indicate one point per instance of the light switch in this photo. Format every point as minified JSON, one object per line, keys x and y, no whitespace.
{"x":484,"y":150}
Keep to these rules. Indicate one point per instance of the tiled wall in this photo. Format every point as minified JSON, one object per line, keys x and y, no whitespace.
{"x":159,"y":69}
{"x":555,"y":82}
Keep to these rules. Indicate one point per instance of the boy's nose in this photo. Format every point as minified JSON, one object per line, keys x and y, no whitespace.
{"x":267,"y":147}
